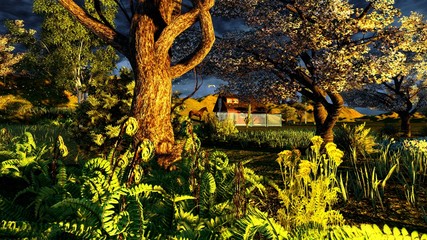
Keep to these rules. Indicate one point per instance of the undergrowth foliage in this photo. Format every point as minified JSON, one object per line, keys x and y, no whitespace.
{"x":356,"y":138}
{"x":125,"y":195}
{"x":99,"y":118}
{"x":310,"y":187}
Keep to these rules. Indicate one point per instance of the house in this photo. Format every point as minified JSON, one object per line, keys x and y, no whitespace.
{"x":232,"y":104}
{"x":231,"y":107}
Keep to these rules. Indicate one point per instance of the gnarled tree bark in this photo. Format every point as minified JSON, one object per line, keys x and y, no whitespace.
{"x":405,"y":123}
{"x":154,"y":26}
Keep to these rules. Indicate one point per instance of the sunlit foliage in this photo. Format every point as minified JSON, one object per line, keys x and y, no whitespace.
{"x":8,"y":57}
{"x":400,"y":64}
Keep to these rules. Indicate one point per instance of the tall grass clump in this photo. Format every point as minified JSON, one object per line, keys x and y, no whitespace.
{"x":412,"y":159}
{"x":275,"y":139}
{"x":309,"y":187}
{"x":356,"y":138}
{"x":215,"y":130}
{"x":402,"y":162}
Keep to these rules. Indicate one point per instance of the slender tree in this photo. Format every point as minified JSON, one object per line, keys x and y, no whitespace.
{"x":153,"y":28}
{"x":317,"y":48}
{"x":67,"y":53}
{"x":62,"y":56}
{"x":401,"y":64}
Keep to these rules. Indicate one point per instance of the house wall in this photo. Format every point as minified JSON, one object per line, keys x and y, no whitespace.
{"x":257,"y":119}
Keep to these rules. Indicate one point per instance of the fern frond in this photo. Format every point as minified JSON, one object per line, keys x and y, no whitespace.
{"x":114,"y":220}
{"x":95,"y":165}
{"x":255,"y":180}
{"x":98,"y":171}
{"x":80,"y":230}
{"x":138,"y":225}
{"x":22,"y":230}
{"x":258,"y":222}
{"x":44,"y":196}
{"x":6,"y":155}
{"x":12,"y":211}
{"x":88,"y":211}
{"x":61,"y":177}
{"x":367,"y":231}
{"x":146,"y":189}
{"x":92,"y":190}
{"x":10,"y":167}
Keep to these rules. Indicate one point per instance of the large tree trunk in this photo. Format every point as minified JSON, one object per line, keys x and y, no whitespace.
{"x":154,"y":27}
{"x":326,"y":116}
{"x":151,"y":103}
{"x":151,"y":107}
{"x":405,"y":123}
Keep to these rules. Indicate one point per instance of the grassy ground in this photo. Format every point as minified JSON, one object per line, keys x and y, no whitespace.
{"x":419,"y":126}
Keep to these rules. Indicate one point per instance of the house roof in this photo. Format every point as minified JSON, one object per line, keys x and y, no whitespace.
{"x":231,"y":103}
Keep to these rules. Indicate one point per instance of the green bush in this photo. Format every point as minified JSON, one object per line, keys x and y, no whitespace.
{"x":355,"y":138}
{"x":99,"y":118}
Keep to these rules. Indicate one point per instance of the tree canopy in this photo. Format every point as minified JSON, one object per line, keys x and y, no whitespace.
{"x":316,"y":48}
{"x":401,"y":65}
{"x":8,"y":57}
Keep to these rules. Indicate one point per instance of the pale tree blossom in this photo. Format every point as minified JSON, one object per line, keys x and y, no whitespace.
{"x":318,"y":48}
{"x":399,"y":71}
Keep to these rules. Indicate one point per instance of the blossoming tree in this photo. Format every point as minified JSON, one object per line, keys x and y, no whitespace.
{"x":401,"y":64}
{"x":153,"y":28}
{"x":316,"y":48}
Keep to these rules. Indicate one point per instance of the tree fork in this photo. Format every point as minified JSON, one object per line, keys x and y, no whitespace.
{"x":154,"y":27}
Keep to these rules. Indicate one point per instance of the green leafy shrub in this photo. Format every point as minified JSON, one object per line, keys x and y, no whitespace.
{"x":216,"y":130}
{"x":355,"y":138}
{"x":98,"y":119}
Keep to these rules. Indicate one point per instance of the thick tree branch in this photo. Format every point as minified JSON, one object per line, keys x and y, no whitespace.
{"x":172,"y":31}
{"x":169,"y":9}
{"x":365,"y":11}
{"x":208,"y":39}
{"x":308,"y":63}
{"x":109,"y":35}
